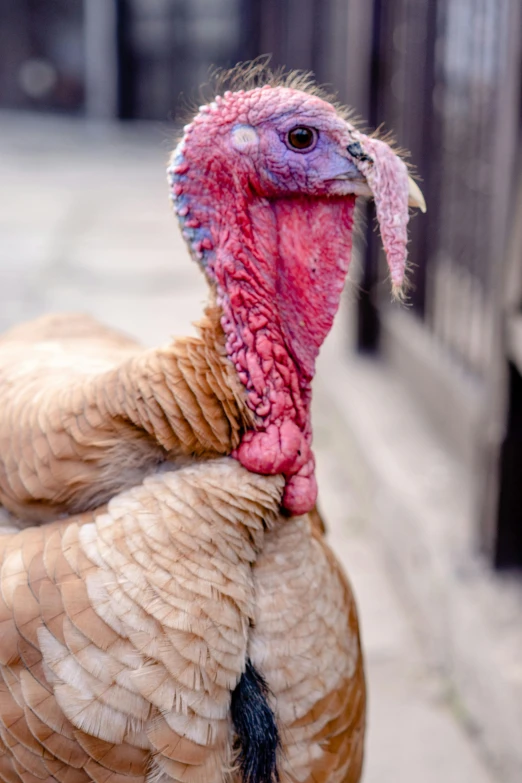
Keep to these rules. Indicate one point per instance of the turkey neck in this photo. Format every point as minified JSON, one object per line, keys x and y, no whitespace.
{"x":103,"y":415}
{"x":278,"y":266}
{"x":186,"y":395}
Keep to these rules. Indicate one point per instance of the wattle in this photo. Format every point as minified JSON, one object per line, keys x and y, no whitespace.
{"x":278,"y":308}
{"x":278,"y":266}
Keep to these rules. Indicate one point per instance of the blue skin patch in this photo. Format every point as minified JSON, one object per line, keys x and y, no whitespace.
{"x":193,"y":236}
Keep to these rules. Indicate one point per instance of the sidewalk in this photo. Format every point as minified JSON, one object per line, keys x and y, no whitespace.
{"x":85,"y":224}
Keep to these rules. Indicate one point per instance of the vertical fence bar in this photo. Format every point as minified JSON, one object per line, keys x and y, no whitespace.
{"x":101,"y":58}
{"x":368,"y":325}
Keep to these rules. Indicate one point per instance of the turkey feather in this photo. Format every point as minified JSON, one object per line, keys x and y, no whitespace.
{"x":104,"y":674}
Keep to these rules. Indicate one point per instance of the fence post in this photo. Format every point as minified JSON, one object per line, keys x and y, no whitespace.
{"x":368,"y":324}
{"x":101,"y":58}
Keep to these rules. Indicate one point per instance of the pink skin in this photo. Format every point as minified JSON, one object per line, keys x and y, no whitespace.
{"x":272,"y":228}
{"x":387,"y":176}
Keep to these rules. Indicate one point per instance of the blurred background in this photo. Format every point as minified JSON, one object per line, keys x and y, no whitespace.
{"x":419,"y":407}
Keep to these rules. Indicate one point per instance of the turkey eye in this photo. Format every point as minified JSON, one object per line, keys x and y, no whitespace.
{"x":302,"y":138}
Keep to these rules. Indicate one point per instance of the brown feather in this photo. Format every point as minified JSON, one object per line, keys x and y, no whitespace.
{"x":123,"y":759}
{"x":7,"y":770}
{"x":106,"y":412}
{"x":64,"y":773}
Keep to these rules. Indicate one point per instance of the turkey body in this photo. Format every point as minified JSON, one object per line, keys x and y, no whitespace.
{"x":123,"y":634}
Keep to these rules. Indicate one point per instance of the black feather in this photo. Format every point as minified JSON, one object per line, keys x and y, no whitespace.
{"x":258,"y":741}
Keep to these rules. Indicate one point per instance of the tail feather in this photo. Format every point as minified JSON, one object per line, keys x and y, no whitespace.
{"x":258,"y":740}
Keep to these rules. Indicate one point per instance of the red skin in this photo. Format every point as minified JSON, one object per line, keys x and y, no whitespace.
{"x":282,"y":322}
{"x":277,"y":245}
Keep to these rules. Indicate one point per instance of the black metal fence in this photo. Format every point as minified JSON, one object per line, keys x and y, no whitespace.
{"x":447,"y":80}
{"x":441,"y":69}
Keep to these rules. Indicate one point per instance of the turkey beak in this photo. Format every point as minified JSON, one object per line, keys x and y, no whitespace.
{"x":360,"y":187}
{"x":415,"y":197}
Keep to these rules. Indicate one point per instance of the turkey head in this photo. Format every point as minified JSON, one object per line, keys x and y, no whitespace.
{"x":264,"y":183}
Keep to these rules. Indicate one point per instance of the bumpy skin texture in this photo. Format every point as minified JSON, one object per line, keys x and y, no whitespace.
{"x":271,"y":226}
{"x":123,"y":633}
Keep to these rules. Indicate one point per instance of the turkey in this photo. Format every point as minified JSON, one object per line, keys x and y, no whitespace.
{"x":264,"y":187}
{"x":197,"y":628}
